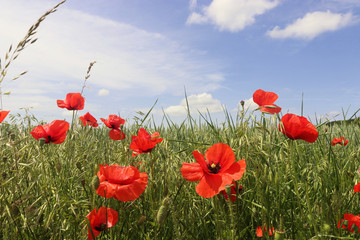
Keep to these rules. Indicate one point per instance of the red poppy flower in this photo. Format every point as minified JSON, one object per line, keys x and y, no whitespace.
{"x":101,"y":220}
{"x":351,"y":220}
{"x":340,"y":140}
{"x":88,"y":120}
{"x":143,"y":142}
{"x":266,"y":100}
{"x":296,"y":127}
{"x":233,"y":187}
{"x":218,"y":170}
{"x":73,"y":101}
{"x":54,"y":132}
{"x":3,"y":115}
{"x":259,"y":231}
{"x":122,"y":183}
{"x":357,"y":188}
{"x":114,"y":122}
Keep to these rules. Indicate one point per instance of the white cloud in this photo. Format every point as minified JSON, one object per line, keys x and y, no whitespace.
{"x":202,"y":102}
{"x":103,"y":92}
{"x":129,"y":59}
{"x":312,"y":25}
{"x":232,"y":15}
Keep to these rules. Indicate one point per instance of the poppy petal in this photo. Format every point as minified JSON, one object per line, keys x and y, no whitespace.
{"x":237,"y":169}
{"x":192,"y":171}
{"x":3,"y":115}
{"x":106,"y":189}
{"x":262,"y":97}
{"x":201,"y":160}
{"x":209,"y":185}
{"x":272,"y":110}
{"x":132,"y":191}
{"x":39,"y":132}
{"x":222,"y":154}
{"x":116,"y":134}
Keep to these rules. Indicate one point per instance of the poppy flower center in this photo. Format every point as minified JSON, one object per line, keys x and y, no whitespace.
{"x":101,"y":227}
{"x":214,"y":168}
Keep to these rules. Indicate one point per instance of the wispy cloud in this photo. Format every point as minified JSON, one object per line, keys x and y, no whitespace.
{"x":232,"y":15}
{"x":129,"y":59}
{"x":103,"y":92}
{"x":313,"y":24}
{"x":197,"y":103}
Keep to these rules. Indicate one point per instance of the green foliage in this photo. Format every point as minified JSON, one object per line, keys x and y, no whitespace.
{"x":47,"y":191}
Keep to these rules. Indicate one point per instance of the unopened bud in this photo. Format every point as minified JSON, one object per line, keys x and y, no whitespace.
{"x":14,"y":210}
{"x":5,"y":158}
{"x":162,"y":214}
{"x":42,"y":141}
{"x":4,"y":175}
{"x":242,"y":103}
{"x":95,"y":182}
{"x":78,"y":165}
{"x":279,"y":234}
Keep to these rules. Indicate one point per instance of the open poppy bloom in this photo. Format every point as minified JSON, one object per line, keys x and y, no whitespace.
{"x":233,"y":191}
{"x":54,"y":132}
{"x":101,"y":220}
{"x":349,"y":221}
{"x":259,"y":231}
{"x":122,"y":183}
{"x":73,"y":101}
{"x":218,"y":170}
{"x":3,"y":115}
{"x":114,"y":123}
{"x":144,"y":142}
{"x":340,"y":140}
{"x":88,"y":120}
{"x":357,"y":188}
{"x":296,"y":127}
{"x":266,"y":100}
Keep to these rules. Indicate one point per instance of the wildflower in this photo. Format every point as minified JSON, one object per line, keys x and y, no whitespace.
{"x":266,"y":100}
{"x":54,"y":132}
{"x":3,"y":115}
{"x":340,"y":140}
{"x":114,"y":123}
{"x":357,"y":188}
{"x":144,"y":142}
{"x":348,"y":222}
{"x":122,"y":183}
{"x":73,"y":101}
{"x":259,"y":231}
{"x":296,"y":127}
{"x":218,"y":170}
{"x":233,"y":192}
{"x":88,"y":120}
{"x":101,"y":220}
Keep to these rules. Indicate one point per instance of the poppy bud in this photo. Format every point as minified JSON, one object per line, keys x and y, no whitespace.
{"x":326,"y":227}
{"x":141,"y":220}
{"x":42,"y":141}
{"x":242,"y":103}
{"x":279,"y":234}
{"x":82,"y":180}
{"x":228,"y":190}
{"x":12,"y":136}
{"x":4,"y":175}
{"x":162,"y":214}
{"x":58,"y":167}
{"x":5,"y":159}
{"x":95,"y":182}
{"x":14,"y":210}
{"x":78,"y":165}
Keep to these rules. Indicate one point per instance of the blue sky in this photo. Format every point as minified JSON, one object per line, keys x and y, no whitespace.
{"x":221,"y":51}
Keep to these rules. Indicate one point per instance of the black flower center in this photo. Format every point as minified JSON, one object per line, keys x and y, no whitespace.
{"x":214,"y":168}
{"x":100,"y":227}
